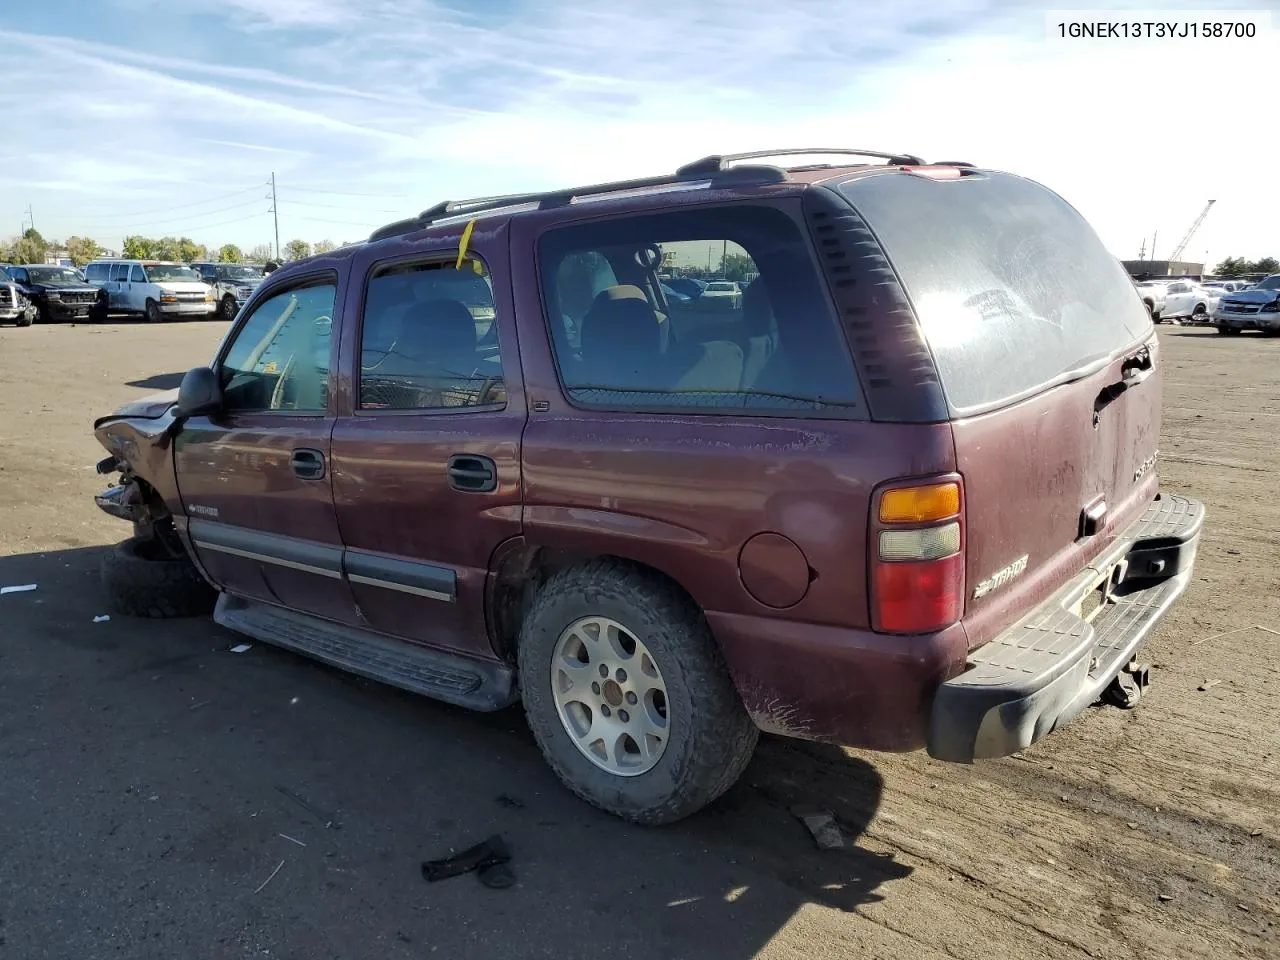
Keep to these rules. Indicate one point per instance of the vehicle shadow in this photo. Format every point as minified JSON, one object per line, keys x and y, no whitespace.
{"x":159,"y":381}
{"x":207,"y":768}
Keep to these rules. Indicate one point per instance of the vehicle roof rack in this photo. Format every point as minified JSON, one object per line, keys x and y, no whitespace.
{"x":717,"y":163}
{"x":547,"y":199}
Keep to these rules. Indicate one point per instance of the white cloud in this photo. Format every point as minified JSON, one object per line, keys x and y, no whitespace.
{"x":410,"y":98}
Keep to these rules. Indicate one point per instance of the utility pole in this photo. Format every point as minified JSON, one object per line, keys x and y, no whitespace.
{"x":28,"y":216}
{"x":275,"y":213}
{"x":1153,"y":244}
{"x":1142,"y":253}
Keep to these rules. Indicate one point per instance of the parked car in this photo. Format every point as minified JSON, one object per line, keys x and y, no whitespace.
{"x":908,"y":500}
{"x":233,"y":284}
{"x":1152,"y":293}
{"x":721,"y":295}
{"x":153,"y":289}
{"x":58,"y":293}
{"x":15,"y":308}
{"x":1185,"y":300}
{"x":691,"y":287}
{"x":1257,"y":308}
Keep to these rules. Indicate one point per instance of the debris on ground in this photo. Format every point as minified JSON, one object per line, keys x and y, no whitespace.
{"x":328,"y":821}
{"x":291,"y":839}
{"x":822,"y":827}
{"x":1208,"y":684}
{"x":489,"y":859}
{"x":1165,"y":897}
{"x":264,"y":883}
{"x":508,"y":801}
{"x":242,"y":648}
{"x":24,"y":588}
{"x":103,"y":618}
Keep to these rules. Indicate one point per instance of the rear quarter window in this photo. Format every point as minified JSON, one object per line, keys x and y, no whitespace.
{"x":1011,"y":287}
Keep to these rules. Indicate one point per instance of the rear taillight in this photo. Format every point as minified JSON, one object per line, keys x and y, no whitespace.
{"x":917,"y":557}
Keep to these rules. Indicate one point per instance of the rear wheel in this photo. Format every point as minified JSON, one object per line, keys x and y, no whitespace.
{"x":144,"y":579}
{"x":628,"y":696}
{"x":152,"y":312}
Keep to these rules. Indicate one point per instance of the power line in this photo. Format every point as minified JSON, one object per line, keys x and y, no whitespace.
{"x":169,"y":223}
{"x":114,"y":218}
{"x":332,"y":206}
{"x":345,"y":223}
{"x":347,"y":193}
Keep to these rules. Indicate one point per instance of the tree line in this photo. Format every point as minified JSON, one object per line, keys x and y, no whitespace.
{"x":1240,"y":267}
{"x":32,"y":247}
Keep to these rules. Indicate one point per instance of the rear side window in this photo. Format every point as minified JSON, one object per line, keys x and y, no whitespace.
{"x":714,"y":308}
{"x":120,"y":272}
{"x":1011,"y":286}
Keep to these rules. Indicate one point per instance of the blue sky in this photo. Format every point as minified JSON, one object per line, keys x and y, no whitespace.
{"x":168,"y":116}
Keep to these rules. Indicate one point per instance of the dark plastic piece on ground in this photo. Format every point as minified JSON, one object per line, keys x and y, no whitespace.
{"x":484,"y":857}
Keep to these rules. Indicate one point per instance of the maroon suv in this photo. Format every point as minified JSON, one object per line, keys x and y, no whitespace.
{"x":899,"y":492}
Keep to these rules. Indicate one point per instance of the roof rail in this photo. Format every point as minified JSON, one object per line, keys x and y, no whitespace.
{"x":720,"y":162}
{"x":754,"y":174}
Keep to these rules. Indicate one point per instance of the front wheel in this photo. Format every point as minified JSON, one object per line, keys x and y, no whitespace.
{"x":628,"y":696}
{"x":229,"y":307}
{"x":152,"y":312}
{"x":143,"y":579}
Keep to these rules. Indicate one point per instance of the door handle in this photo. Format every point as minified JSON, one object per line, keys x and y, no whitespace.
{"x":308,"y":464}
{"x":472,"y":474}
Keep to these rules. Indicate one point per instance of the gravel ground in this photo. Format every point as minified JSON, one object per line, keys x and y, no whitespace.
{"x":151,"y":781}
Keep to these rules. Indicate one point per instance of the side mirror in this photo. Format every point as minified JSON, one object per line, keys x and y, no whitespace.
{"x":199,"y":394}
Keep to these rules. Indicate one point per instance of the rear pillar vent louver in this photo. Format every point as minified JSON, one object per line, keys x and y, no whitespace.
{"x":895,"y":364}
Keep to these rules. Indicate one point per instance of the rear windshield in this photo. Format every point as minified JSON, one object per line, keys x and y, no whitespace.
{"x":1011,"y":286}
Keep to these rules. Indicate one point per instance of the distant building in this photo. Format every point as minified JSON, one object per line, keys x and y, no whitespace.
{"x":1146,"y":269}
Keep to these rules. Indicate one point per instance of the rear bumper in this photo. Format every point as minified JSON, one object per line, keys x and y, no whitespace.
{"x":1051,"y":665}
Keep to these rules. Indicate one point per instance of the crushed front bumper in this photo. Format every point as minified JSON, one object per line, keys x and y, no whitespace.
{"x":1046,"y":669}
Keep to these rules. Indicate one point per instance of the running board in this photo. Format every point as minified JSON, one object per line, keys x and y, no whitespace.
{"x":465,"y":681}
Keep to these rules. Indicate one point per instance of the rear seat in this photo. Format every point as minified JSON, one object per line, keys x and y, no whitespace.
{"x":625,"y":342}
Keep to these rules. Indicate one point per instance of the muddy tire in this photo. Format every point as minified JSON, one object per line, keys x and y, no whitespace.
{"x":152,"y":312}
{"x":25,"y":318}
{"x":704,"y":736}
{"x":143,"y":581}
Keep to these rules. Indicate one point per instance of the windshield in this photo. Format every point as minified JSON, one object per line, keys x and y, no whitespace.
{"x":157,"y":272}
{"x":1271,"y":283}
{"x":53,"y":275}
{"x":239,"y":271}
{"x":1011,"y":287}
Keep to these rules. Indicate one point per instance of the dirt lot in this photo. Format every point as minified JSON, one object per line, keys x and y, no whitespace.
{"x":150,"y":780}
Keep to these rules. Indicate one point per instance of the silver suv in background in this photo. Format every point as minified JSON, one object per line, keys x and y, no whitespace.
{"x":154,"y":289}
{"x":233,"y":284}
{"x":1257,"y":308}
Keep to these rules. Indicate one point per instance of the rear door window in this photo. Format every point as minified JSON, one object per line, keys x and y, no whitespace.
{"x":1012,"y":288}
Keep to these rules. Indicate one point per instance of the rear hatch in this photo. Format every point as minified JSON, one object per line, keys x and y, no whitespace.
{"x":1049,"y":365}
